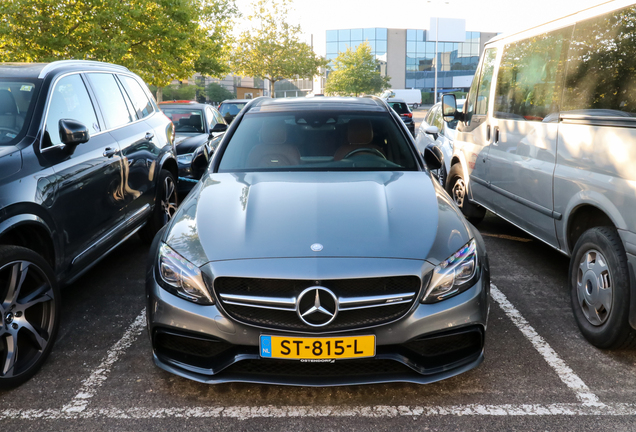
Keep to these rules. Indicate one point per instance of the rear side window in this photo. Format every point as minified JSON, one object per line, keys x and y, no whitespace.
{"x":530,"y":77}
{"x":399,"y":107}
{"x":69,"y":100}
{"x":601,"y":76}
{"x":141,"y":103}
{"x":110,"y":99}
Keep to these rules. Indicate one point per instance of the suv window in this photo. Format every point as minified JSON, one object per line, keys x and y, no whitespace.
{"x":110,"y":99}
{"x":530,"y":77}
{"x":16,"y":104}
{"x":69,"y":100}
{"x":399,"y":107}
{"x":601,"y":63}
{"x":140,"y":101}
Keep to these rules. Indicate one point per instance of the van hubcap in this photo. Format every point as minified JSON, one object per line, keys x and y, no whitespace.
{"x":459,"y":192}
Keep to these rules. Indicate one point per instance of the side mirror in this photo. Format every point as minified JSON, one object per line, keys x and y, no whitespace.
{"x":73,"y":132}
{"x":433,"y":130}
{"x":449,"y":107}
{"x":219,"y":127}
{"x":200,"y":161}
{"x":433,"y":157}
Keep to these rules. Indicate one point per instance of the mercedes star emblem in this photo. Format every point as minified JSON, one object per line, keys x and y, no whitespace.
{"x":317,"y":306}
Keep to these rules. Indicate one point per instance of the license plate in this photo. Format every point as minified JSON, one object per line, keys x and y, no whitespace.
{"x":317,"y":348}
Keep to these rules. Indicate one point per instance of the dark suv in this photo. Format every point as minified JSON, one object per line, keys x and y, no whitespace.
{"x":86,"y":160}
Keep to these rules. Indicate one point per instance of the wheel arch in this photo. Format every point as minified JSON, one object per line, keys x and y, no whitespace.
{"x":32,"y":232}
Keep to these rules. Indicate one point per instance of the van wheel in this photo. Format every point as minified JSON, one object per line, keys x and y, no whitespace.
{"x":457,"y":188}
{"x":30,"y":309}
{"x":599,"y":283}
{"x":165,"y":206}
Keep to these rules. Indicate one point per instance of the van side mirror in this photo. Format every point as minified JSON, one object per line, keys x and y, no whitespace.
{"x":73,"y":132}
{"x":449,"y":108}
{"x":433,"y":157}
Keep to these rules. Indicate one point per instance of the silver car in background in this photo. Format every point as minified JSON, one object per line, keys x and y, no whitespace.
{"x":318,"y":250}
{"x":547,"y":140}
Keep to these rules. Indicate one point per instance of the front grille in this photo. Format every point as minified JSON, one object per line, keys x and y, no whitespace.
{"x":188,"y":349}
{"x":342,"y":288}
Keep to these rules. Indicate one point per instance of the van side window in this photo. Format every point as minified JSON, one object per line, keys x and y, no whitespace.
{"x":601,"y":63}
{"x":110,"y":99}
{"x":530,"y":78}
{"x":477,"y":103}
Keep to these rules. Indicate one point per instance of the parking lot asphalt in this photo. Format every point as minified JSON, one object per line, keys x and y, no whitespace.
{"x":539,"y":372}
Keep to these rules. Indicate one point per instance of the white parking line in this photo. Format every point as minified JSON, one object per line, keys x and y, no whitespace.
{"x":564,"y":372}
{"x":99,"y":375}
{"x":378,"y":411}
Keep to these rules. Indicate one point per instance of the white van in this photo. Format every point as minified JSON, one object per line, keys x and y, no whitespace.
{"x":412,"y":97}
{"x":547,"y":141}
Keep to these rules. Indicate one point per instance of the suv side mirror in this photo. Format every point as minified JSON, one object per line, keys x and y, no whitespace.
{"x":73,"y":132}
{"x":219,"y":127}
{"x":200,"y":161}
{"x":449,"y":108}
{"x":433,"y":157}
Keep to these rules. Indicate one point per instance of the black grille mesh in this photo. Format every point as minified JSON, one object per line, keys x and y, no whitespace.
{"x":278,"y":319}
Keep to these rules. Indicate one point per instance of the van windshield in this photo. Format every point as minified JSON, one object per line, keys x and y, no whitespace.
{"x":17,"y":98}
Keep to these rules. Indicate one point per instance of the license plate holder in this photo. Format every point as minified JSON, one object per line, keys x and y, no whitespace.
{"x":317,"y":348}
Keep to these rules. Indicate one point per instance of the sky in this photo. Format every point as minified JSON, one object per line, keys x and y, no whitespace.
{"x":499,"y":16}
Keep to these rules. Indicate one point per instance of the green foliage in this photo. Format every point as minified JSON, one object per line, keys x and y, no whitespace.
{"x":271,"y":49}
{"x":160,"y":40}
{"x":427,"y":98}
{"x":218,"y":93}
{"x":356,"y":73}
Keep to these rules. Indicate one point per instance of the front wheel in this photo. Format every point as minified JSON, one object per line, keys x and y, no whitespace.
{"x":165,"y":206}
{"x":29,"y":311}
{"x":457,"y":188}
{"x":600,"y":289}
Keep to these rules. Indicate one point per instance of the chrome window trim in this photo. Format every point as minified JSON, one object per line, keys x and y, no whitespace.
{"x":48,"y":103}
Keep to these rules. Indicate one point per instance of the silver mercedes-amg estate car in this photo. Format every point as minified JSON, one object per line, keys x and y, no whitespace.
{"x":318,"y":250}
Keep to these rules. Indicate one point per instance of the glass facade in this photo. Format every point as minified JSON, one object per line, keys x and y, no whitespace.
{"x":339,"y":40}
{"x":453,"y":59}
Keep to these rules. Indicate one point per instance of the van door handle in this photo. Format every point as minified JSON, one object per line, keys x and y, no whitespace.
{"x":109,"y":152}
{"x":487,"y":133}
{"x":149,"y":136}
{"x":496,"y":137}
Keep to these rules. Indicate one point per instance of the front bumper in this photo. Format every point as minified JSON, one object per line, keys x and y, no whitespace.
{"x":430,"y":343}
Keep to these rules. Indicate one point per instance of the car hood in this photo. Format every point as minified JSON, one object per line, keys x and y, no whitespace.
{"x":189,"y":143}
{"x":351,"y":214}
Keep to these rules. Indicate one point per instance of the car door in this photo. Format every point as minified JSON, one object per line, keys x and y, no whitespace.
{"x":525,"y":129}
{"x":135,"y":139}
{"x":88,"y":177}
{"x":474,"y":134}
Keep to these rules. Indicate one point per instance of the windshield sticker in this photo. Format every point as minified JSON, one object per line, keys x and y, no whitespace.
{"x":26,"y":88}
{"x":10,"y":135}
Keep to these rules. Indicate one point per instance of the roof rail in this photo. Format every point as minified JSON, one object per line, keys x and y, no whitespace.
{"x":56,"y":64}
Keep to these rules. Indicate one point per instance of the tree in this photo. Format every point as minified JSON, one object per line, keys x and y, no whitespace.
{"x":271,"y":49}
{"x":217,"y":93}
{"x":160,"y":40}
{"x":355,"y":72}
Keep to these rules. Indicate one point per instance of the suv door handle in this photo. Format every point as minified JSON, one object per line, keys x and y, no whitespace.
{"x":149,"y":136}
{"x":109,"y":152}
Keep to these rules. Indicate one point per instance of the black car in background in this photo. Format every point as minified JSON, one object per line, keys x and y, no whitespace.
{"x":400,"y":107}
{"x":231,"y":107}
{"x":199,"y":129}
{"x":86,"y":161}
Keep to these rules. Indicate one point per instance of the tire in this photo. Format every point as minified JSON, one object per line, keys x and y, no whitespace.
{"x":457,"y":188}
{"x":165,"y":206}
{"x":442,"y":176}
{"x":30,"y":311}
{"x":600,"y":289}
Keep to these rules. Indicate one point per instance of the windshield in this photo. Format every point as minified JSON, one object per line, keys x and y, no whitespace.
{"x":231,"y":108}
{"x":16,"y":104}
{"x":185,"y":120}
{"x":317,"y":141}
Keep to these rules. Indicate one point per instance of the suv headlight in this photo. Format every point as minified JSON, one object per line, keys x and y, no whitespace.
{"x":456,"y":274}
{"x":180,"y":277}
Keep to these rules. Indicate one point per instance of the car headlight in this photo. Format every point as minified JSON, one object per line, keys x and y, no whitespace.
{"x":456,"y":274}
{"x":185,"y":159}
{"x":180,"y":277}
